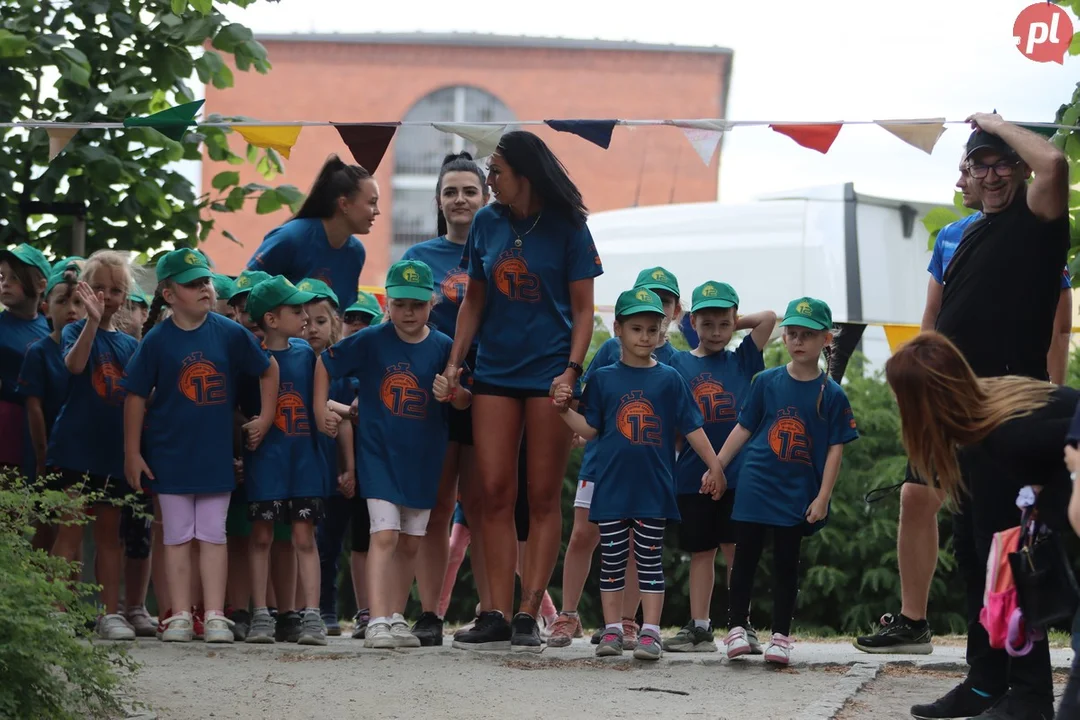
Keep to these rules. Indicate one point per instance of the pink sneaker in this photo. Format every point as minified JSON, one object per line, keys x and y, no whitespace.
{"x":736,"y":642}
{"x":779,"y":650}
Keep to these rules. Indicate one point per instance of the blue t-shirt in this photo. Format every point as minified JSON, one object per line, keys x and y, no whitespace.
{"x":187,"y":437}
{"x":401,"y":433}
{"x":784,"y":459}
{"x":300,"y":249}
{"x":638,"y":413}
{"x":287,"y":463}
{"x":44,"y":376}
{"x":687,"y":329}
{"x":524,"y":336}
{"x":444,"y":259}
{"x":720,"y":384}
{"x":608,"y":354}
{"x":342,"y":390}
{"x":16,"y":337}
{"x":89,"y":432}
{"x":949,"y":238}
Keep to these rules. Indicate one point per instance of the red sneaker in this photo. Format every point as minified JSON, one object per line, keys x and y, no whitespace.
{"x":162,"y":617}
{"x":197,"y":614}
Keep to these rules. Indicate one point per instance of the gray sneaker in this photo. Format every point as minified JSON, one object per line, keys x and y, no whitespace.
{"x":312,"y":631}
{"x":648,"y":646}
{"x":691,"y":639}
{"x":262,"y":628}
{"x":399,"y":630}
{"x":755,"y":644}
{"x":610,"y":644}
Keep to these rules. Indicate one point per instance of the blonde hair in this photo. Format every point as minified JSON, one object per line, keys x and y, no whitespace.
{"x":944,"y":406}
{"x":113,"y":261}
{"x":335,"y":319}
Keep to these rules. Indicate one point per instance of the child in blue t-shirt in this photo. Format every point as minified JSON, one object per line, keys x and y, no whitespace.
{"x":191,"y":363}
{"x":794,"y":425}
{"x":402,"y":433}
{"x":720,"y":381}
{"x":635,"y":409}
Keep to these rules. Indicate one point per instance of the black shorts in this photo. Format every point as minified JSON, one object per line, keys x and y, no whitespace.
{"x":114,"y":490}
{"x":310,"y":509}
{"x":521,"y":508}
{"x":483,"y":388}
{"x":135,"y":522}
{"x":461,"y":426}
{"x":361,"y":524}
{"x":706,"y":523}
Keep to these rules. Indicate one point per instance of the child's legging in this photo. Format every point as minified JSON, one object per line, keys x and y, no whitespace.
{"x":648,"y":553}
{"x":749,"y":542}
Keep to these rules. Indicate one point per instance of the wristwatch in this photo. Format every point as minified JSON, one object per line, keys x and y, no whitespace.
{"x":576,"y":368}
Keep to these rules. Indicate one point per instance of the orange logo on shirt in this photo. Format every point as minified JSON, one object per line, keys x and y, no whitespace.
{"x":717,"y":404}
{"x":106,"y":380}
{"x":512,"y":277}
{"x":788,"y":438}
{"x":291,"y":417}
{"x":200,"y":381}
{"x":637,"y":420}
{"x":453,"y":285}
{"x":401,"y":393}
{"x":851,"y":420}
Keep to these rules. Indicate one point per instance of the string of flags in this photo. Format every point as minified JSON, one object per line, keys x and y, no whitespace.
{"x":368,"y":141}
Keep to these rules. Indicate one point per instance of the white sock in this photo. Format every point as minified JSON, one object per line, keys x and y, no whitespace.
{"x":616,"y":627}
{"x":376,"y":621}
{"x":703,"y":624}
{"x":654,"y":628}
{"x":312,"y":610}
{"x":570,"y":613}
{"x":262,"y":610}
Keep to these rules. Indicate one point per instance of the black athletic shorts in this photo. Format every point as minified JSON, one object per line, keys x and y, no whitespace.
{"x":136,"y":519}
{"x":483,"y":388}
{"x":706,"y":523}
{"x":361,"y":524}
{"x":114,"y":489}
{"x":521,"y":508}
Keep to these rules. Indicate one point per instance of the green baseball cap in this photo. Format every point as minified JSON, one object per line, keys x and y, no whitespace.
{"x":658,"y":278}
{"x":56,"y":278}
{"x":29,"y":255}
{"x":182,"y":266}
{"x":409,"y":280}
{"x":366,"y":303}
{"x":638,"y":300}
{"x":138,"y":296}
{"x":247,"y":280}
{"x":319,"y":289}
{"x":713,"y":295}
{"x":808,"y":312}
{"x":274,"y":293}
{"x":223,"y":286}
{"x":68,"y":263}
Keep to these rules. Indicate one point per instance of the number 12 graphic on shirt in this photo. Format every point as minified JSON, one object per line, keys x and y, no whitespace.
{"x":201,"y":382}
{"x":637,"y":420}
{"x":788,"y":438}
{"x":717,"y":404}
{"x":401,"y":393}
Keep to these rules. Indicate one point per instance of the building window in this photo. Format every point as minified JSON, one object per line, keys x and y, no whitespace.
{"x":418,"y":155}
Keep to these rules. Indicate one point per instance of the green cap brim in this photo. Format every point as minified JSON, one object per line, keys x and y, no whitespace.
{"x":654,"y":286}
{"x":642,"y":308}
{"x":718,"y":304}
{"x":299,"y":298}
{"x":407,"y":292}
{"x":193,"y":274}
{"x":45,"y":270}
{"x":802,"y":322}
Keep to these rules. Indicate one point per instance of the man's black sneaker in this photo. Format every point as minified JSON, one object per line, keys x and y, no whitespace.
{"x":960,"y":702}
{"x":526,"y":634}
{"x":1012,"y":707}
{"x":898,"y":635}
{"x":491,"y":632}
{"x":429,"y":628}
{"x":241,"y":624}
{"x":289,"y":625}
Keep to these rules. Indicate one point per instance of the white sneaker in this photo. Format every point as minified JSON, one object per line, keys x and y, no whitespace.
{"x":779,"y":650}
{"x":114,"y":627}
{"x":378,"y":636}
{"x":403,"y":637}
{"x":218,"y":629}
{"x":737,"y":644}
{"x":178,"y":628}
{"x":140,"y":621}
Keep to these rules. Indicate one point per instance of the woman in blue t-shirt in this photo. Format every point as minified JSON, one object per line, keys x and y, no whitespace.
{"x":529,"y":304}
{"x":318,"y":242}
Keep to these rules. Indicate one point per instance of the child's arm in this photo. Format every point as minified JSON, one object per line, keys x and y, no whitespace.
{"x":820,"y":507}
{"x":134,"y":464}
{"x":258,"y":426}
{"x":563,"y":395}
{"x":760,"y":324}
{"x":35,"y":416}
{"x":327,"y":420}
{"x":714,"y":483}
{"x":446,"y":390}
{"x":79,"y":354}
{"x":346,"y":458}
{"x":732,"y":446}
{"x":341,"y":409}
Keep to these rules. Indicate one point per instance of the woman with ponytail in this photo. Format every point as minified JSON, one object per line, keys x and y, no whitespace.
{"x":794,"y":425}
{"x":318,"y":242}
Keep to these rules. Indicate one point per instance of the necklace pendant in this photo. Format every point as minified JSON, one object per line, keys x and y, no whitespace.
{"x":517,"y":243}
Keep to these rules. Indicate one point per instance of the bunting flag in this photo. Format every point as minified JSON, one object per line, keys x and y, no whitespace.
{"x":172,"y":123}
{"x":921,"y":135}
{"x":818,"y":137}
{"x":898,"y":334}
{"x":597,"y":132}
{"x":704,"y":136}
{"x":277,"y":137}
{"x":484,"y":137}
{"x":367,"y":142}
{"x":846,"y":342}
{"x":59,"y":139}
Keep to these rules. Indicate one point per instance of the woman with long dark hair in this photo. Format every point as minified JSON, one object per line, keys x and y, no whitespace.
{"x":318,"y":242}
{"x":958,"y":426}
{"x":529,"y":303}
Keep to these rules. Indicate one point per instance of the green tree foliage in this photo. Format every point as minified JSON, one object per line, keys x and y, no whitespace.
{"x":107,"y":60}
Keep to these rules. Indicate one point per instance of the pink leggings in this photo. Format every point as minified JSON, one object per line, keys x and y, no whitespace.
{"x":194,"y":517}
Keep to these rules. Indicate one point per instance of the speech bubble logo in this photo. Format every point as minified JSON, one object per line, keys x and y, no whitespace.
{"x":1042,"y":33}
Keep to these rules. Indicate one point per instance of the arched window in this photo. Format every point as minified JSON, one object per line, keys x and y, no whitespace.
{"x":418,"y":154}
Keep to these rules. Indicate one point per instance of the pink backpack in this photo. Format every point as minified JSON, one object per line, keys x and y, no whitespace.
{"x":1001,"y":615}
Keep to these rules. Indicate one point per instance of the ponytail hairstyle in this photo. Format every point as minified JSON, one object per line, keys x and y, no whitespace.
{"x":335,"y":180}
{"x":455,"y":162}
{"x":157,"y":305}
{"x":528,"y":156}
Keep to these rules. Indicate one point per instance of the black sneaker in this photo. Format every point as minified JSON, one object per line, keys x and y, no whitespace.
{"x":960,"y":702}
{"x":491,"y":632}
{"x":360,"y":624}
{"x":1011,"y":707}
{"x":599,"y":633}
{"x":289,"y":625}
{"x":898,"y":635}
{"x":526,"y":634}
{"x":429,"y":628}
{"x":241,"y":624}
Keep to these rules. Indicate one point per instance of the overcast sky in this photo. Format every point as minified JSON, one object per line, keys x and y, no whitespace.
{"x":794,"y":60}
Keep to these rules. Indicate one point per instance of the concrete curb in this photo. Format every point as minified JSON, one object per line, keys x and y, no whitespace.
{"x":833,"y":700}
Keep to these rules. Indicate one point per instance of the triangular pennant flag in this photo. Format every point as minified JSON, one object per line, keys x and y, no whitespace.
{"x":279,"y":137}
{"x":59,"y":139}
{"x":845,"y":343}
{"x":921,"y":135}
{"x":367,"y":143}
{"x":172,"y":123}
{"x":484,"y":137}
{"x":815,"y":137}
{"x":704,"y":136}
{"x":897,"y":335}
{"x":597,"y":132}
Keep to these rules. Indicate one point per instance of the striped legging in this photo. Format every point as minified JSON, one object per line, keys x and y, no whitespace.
{"x":648,"y":552}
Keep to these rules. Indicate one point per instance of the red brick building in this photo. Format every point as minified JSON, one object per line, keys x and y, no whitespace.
{"x":475,"y":78}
